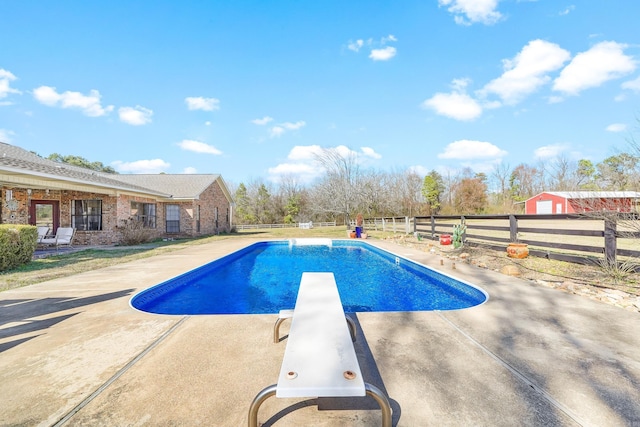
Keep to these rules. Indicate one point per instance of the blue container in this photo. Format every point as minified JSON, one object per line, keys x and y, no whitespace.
{"x":358,"y":232}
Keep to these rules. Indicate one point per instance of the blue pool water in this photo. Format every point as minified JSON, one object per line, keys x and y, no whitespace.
{"x":264,"y":278}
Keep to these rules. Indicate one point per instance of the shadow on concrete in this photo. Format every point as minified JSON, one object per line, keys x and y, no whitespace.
{"x":546,"y":337}
{"x":370,"y":374}
{"x":24,"y":311}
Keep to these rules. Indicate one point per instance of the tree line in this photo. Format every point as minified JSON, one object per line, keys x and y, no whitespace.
{"x":345,"y":189}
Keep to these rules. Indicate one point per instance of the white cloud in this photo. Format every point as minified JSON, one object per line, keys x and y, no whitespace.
{"x":549,"y":151}
{"x":89,"y":104}
{"x":135,"y":116}
{"x":633,"y":85}
{"x":302,"y":161}
{"x":383,"y":54}
{"x":459,"y":106}
{"x":527,"y":72}
{"x":616,"y":127}
{"x":355,"y":45}
{"x":198,"y":147}
{"x":603,"y":62}
{"x":189,"y":170}
{"x":468,"y":12}
{"x":304,"y":152}
{"x":468,"y":149}
{"x":6,"y":135}
{"x":6,"y":77}
{"x":379,"y":51}
{"x":263,"y":121}
{"x":567,"y":10}
{"x":141,"y":166}
{"x":370,"y":152}
{"x":200,"y":103}
{"x":280,"y":129}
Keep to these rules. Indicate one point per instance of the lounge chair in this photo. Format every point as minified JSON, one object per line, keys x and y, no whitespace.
{"x":63,"y":237}
{"x":43,"y":231}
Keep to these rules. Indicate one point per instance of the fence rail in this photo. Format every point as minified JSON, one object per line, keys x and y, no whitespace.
{"x":240,"y":227}
{"x":574,"y":238}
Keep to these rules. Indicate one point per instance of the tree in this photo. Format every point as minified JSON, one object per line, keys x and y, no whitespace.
{"x":618,"y":173}
{"x":82,"y":162}
{"x":525,"y":181}
{"x":243,"y":206}
{"x":585,"y":175}
{"x":471,"y":196}
{"x":500,"y":177}
{"x":337,"y":192}
{"x":432,"y":188}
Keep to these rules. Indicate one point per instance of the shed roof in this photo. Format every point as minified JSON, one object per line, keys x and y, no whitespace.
{"x":595,"y":194}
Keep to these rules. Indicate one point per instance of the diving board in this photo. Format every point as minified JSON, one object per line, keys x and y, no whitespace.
{"x":311,"y":241}
{"x":319,"y":360}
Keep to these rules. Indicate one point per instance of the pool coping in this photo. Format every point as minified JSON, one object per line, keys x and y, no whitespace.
{"x":73,"y":351}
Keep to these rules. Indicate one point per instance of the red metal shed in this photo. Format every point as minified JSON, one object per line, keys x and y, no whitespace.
{"x":562,"y":202}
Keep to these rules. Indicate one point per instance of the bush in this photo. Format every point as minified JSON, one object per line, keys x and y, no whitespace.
{"x":17,"y":244}
{"x":134,"y":232}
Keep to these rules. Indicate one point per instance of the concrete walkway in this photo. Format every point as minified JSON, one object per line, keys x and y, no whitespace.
{"x":74,"y":353}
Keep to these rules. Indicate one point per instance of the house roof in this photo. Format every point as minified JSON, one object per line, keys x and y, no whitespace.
{"x":185,"y":186}
{"x":21,"y":167}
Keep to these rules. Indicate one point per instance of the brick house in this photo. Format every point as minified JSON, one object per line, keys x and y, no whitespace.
{"x":567,"y":202}
{"x":38,"y":191}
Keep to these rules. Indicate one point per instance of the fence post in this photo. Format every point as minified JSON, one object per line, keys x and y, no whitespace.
{"x":610,"y":243}
{"x":433,"y":227}
{"x":513,"y":228}
{"x":464,"y":233}
{"x":407,"y":225}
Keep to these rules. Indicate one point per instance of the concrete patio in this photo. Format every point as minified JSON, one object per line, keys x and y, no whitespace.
{"x":74,"y":353}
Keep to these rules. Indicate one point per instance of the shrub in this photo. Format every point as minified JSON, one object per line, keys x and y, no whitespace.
{"x":17,"y":244}
{"x":134,"y":232}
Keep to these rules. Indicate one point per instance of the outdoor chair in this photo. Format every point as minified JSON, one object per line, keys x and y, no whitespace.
{"x":63,"y":237}
{"x":43,"y":231}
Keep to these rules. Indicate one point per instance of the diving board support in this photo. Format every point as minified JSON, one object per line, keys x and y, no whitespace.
{"x":319,"y":359}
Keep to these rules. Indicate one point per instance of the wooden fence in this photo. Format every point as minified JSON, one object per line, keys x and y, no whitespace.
{"x":240,"y":227}
{"x":574,"y":238}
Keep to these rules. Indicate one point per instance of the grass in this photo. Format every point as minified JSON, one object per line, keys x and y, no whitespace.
{"x":64,"y":265}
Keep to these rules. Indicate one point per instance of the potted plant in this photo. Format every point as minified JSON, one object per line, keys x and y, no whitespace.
{"x":517,"y":250}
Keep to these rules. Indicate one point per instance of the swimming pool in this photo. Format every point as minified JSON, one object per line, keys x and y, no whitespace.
{"x":264,"y":278}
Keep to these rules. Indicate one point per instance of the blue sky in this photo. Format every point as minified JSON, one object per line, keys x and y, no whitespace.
{"x":252,"y":89}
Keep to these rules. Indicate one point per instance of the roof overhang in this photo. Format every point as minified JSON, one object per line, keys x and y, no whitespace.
{"x":37,"y":180}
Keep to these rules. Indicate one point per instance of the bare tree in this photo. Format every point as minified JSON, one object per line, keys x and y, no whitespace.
{"x":337,"y":192}
{"x":499,"y":180}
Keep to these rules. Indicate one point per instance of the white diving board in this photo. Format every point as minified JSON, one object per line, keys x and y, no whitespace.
{"x":319,"y":360}
{"x":311,"y":241}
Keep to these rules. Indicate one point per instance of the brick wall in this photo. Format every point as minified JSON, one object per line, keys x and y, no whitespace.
{"x":116,"y":209}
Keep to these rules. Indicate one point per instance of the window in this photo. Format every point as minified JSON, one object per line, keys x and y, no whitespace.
{"x":86,"y":215}
{"x":173,"y":218}
{"x":145,"y":213}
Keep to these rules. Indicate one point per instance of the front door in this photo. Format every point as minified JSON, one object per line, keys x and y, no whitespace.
{"x":45,"y":212}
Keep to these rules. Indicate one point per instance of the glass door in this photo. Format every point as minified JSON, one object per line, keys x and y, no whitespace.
{"x":44,"y":213}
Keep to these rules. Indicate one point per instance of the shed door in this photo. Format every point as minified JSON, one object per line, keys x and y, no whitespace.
{"x":544,"y":207}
